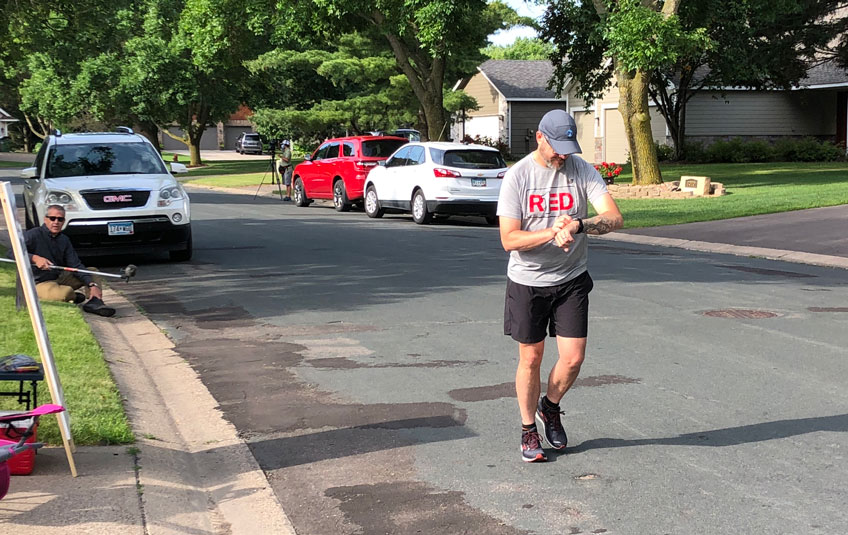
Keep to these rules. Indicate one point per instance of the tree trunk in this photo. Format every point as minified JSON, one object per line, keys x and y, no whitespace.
{"x":434,"y":114}
{"x":633,"y":105}
{"x":150,"y":131}
{"x":195,"y":133}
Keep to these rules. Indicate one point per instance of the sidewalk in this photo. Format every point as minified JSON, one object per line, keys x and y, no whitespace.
{"x":188,"y":472}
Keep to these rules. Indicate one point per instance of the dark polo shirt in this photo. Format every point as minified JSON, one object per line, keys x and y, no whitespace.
{"x":57,"y":249}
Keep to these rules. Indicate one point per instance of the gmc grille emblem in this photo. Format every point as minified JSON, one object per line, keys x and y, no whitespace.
{"x":117,"y":198}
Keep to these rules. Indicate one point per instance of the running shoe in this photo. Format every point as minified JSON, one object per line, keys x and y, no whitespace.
{"x":548,"y":420}
{"x":531,"y":447}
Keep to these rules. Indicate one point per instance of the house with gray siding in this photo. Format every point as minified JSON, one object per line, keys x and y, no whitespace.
{"x":513,"y":96}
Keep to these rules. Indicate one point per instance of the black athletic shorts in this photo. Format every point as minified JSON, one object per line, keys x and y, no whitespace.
{"x":531,"y":312}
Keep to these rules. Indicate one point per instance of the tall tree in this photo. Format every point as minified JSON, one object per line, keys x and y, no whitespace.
{"x":626,"y":41}
{"x":427,"y":39}
{"x":351,"y":84}
{"x":187,"y":64}
{"x":521,"y":48}
{"x":757,"y":44}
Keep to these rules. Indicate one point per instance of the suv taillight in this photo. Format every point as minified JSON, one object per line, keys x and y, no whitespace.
{"x":440,"y":172}
{"x":502,"y":174}
{"x":364,"y":165}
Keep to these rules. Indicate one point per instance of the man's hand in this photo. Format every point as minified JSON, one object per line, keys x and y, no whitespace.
{"x":560,"y":223}
{"x":565,"y":237}
{"x":41,"y":262}
{"x":95,"y":291}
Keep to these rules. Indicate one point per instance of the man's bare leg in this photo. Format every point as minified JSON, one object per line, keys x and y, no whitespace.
{"x":572,"y":351}
{"x":528,"y":379}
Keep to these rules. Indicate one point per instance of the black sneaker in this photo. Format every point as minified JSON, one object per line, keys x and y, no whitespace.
{"x":78,"y":297}
{"x":97,"y":306}
{"x":549,"y":422}
{"x":531,"y":447}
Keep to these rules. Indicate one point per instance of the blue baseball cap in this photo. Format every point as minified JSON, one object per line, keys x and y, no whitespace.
{"x":560,"y":130}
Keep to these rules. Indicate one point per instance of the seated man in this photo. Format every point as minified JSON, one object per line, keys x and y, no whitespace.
{"x":47,"y":246}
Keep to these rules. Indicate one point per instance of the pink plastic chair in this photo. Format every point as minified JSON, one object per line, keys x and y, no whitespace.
{"x":9,"y":449}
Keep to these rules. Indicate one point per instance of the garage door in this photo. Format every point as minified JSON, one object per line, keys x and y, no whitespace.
{"x":616,"y":147}
{"x":586,"y":134}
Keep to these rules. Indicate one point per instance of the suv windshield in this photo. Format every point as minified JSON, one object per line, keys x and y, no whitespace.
{"x":88,"y":159}
{"x":251,"y":137}
{"x":468,"y":158}
{"x":381,"y":148}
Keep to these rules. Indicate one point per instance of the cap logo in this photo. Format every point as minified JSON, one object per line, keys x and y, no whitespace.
{"x":569,"y":133}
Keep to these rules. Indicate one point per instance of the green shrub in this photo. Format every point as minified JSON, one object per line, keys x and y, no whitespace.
{"x":664,"y":152}
{"x":737,"y":150}
{"x":693,"y":151}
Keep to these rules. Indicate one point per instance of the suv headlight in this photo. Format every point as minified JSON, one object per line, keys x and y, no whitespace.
{"x":169,"y":195}
{"x":62,"y":198}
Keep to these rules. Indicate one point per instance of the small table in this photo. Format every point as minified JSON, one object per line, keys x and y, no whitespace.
{"x":24,"y":396}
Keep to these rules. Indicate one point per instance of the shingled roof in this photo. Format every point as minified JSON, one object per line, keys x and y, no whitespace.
{"x":519,"y":79}
{"x":826,"y":74}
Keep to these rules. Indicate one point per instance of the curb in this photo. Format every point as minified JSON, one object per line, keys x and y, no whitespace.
{"x":196,"y":474}
{"x":736,"y":250}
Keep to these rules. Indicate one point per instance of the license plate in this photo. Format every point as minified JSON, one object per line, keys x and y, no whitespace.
{"x":121,"y":228}
{"x":478,"y":182}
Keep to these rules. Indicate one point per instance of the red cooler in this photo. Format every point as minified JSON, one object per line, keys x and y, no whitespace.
{"x":23,"y":463}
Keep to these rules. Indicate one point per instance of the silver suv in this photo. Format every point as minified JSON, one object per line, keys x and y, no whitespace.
{"x":118,"y":195}
{"x":249,"y":142}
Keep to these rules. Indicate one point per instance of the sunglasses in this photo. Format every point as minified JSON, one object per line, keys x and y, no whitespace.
{"x":56,"y":218}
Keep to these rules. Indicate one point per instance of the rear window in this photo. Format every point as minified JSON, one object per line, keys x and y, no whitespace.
{"x":381,"y":148}
{"x":252,"y":137}
{"x":89,"y":159}
{"x":468,"y":158}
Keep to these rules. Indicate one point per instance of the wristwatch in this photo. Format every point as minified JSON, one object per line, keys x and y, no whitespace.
{"x":93,"y":285}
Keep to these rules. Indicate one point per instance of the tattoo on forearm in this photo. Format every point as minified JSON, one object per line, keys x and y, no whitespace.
{"x":600,"y":224}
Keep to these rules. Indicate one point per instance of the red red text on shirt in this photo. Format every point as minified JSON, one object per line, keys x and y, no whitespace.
{"x":555,"y":201}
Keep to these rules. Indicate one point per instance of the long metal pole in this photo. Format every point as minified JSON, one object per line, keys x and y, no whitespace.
{"x":16,"y":237}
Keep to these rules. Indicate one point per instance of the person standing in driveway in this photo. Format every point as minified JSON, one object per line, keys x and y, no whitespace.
{"x":543,"y":208}
{"x":285,"y":168}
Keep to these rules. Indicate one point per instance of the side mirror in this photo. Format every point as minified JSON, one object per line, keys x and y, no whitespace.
{"x":381,"y":162}
{"x":178,"y":168}
{"x":307,"y":158}
{"x":29,"y":172}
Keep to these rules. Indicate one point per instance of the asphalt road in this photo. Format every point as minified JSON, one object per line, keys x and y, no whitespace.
{"x":364,"y":363}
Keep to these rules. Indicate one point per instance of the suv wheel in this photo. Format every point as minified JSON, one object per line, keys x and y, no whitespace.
{"x":372,"y":203}
{"x":183,"y":255}
{"x":300,"y":198}
{"x":419,"y":209}
{"x":340,"y":201}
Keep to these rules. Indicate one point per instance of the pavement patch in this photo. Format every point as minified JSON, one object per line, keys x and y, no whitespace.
{"x":414,"y":507}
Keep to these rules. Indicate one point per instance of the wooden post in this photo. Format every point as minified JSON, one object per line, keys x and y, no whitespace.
{"x":16,"y":237}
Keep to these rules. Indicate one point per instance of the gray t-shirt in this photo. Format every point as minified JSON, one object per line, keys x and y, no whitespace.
{"x":536,"y":195}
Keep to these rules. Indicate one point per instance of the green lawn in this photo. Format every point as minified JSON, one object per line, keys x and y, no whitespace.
{"x":751,"y":189}
{"x":19,"y":165}
{"x":92,"y":399}
{"x":233,"y":174}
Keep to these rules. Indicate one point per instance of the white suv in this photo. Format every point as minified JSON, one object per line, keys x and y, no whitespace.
{"x":117,"y":193}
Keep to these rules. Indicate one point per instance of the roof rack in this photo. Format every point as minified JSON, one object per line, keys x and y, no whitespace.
{"x":124,"y":130}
